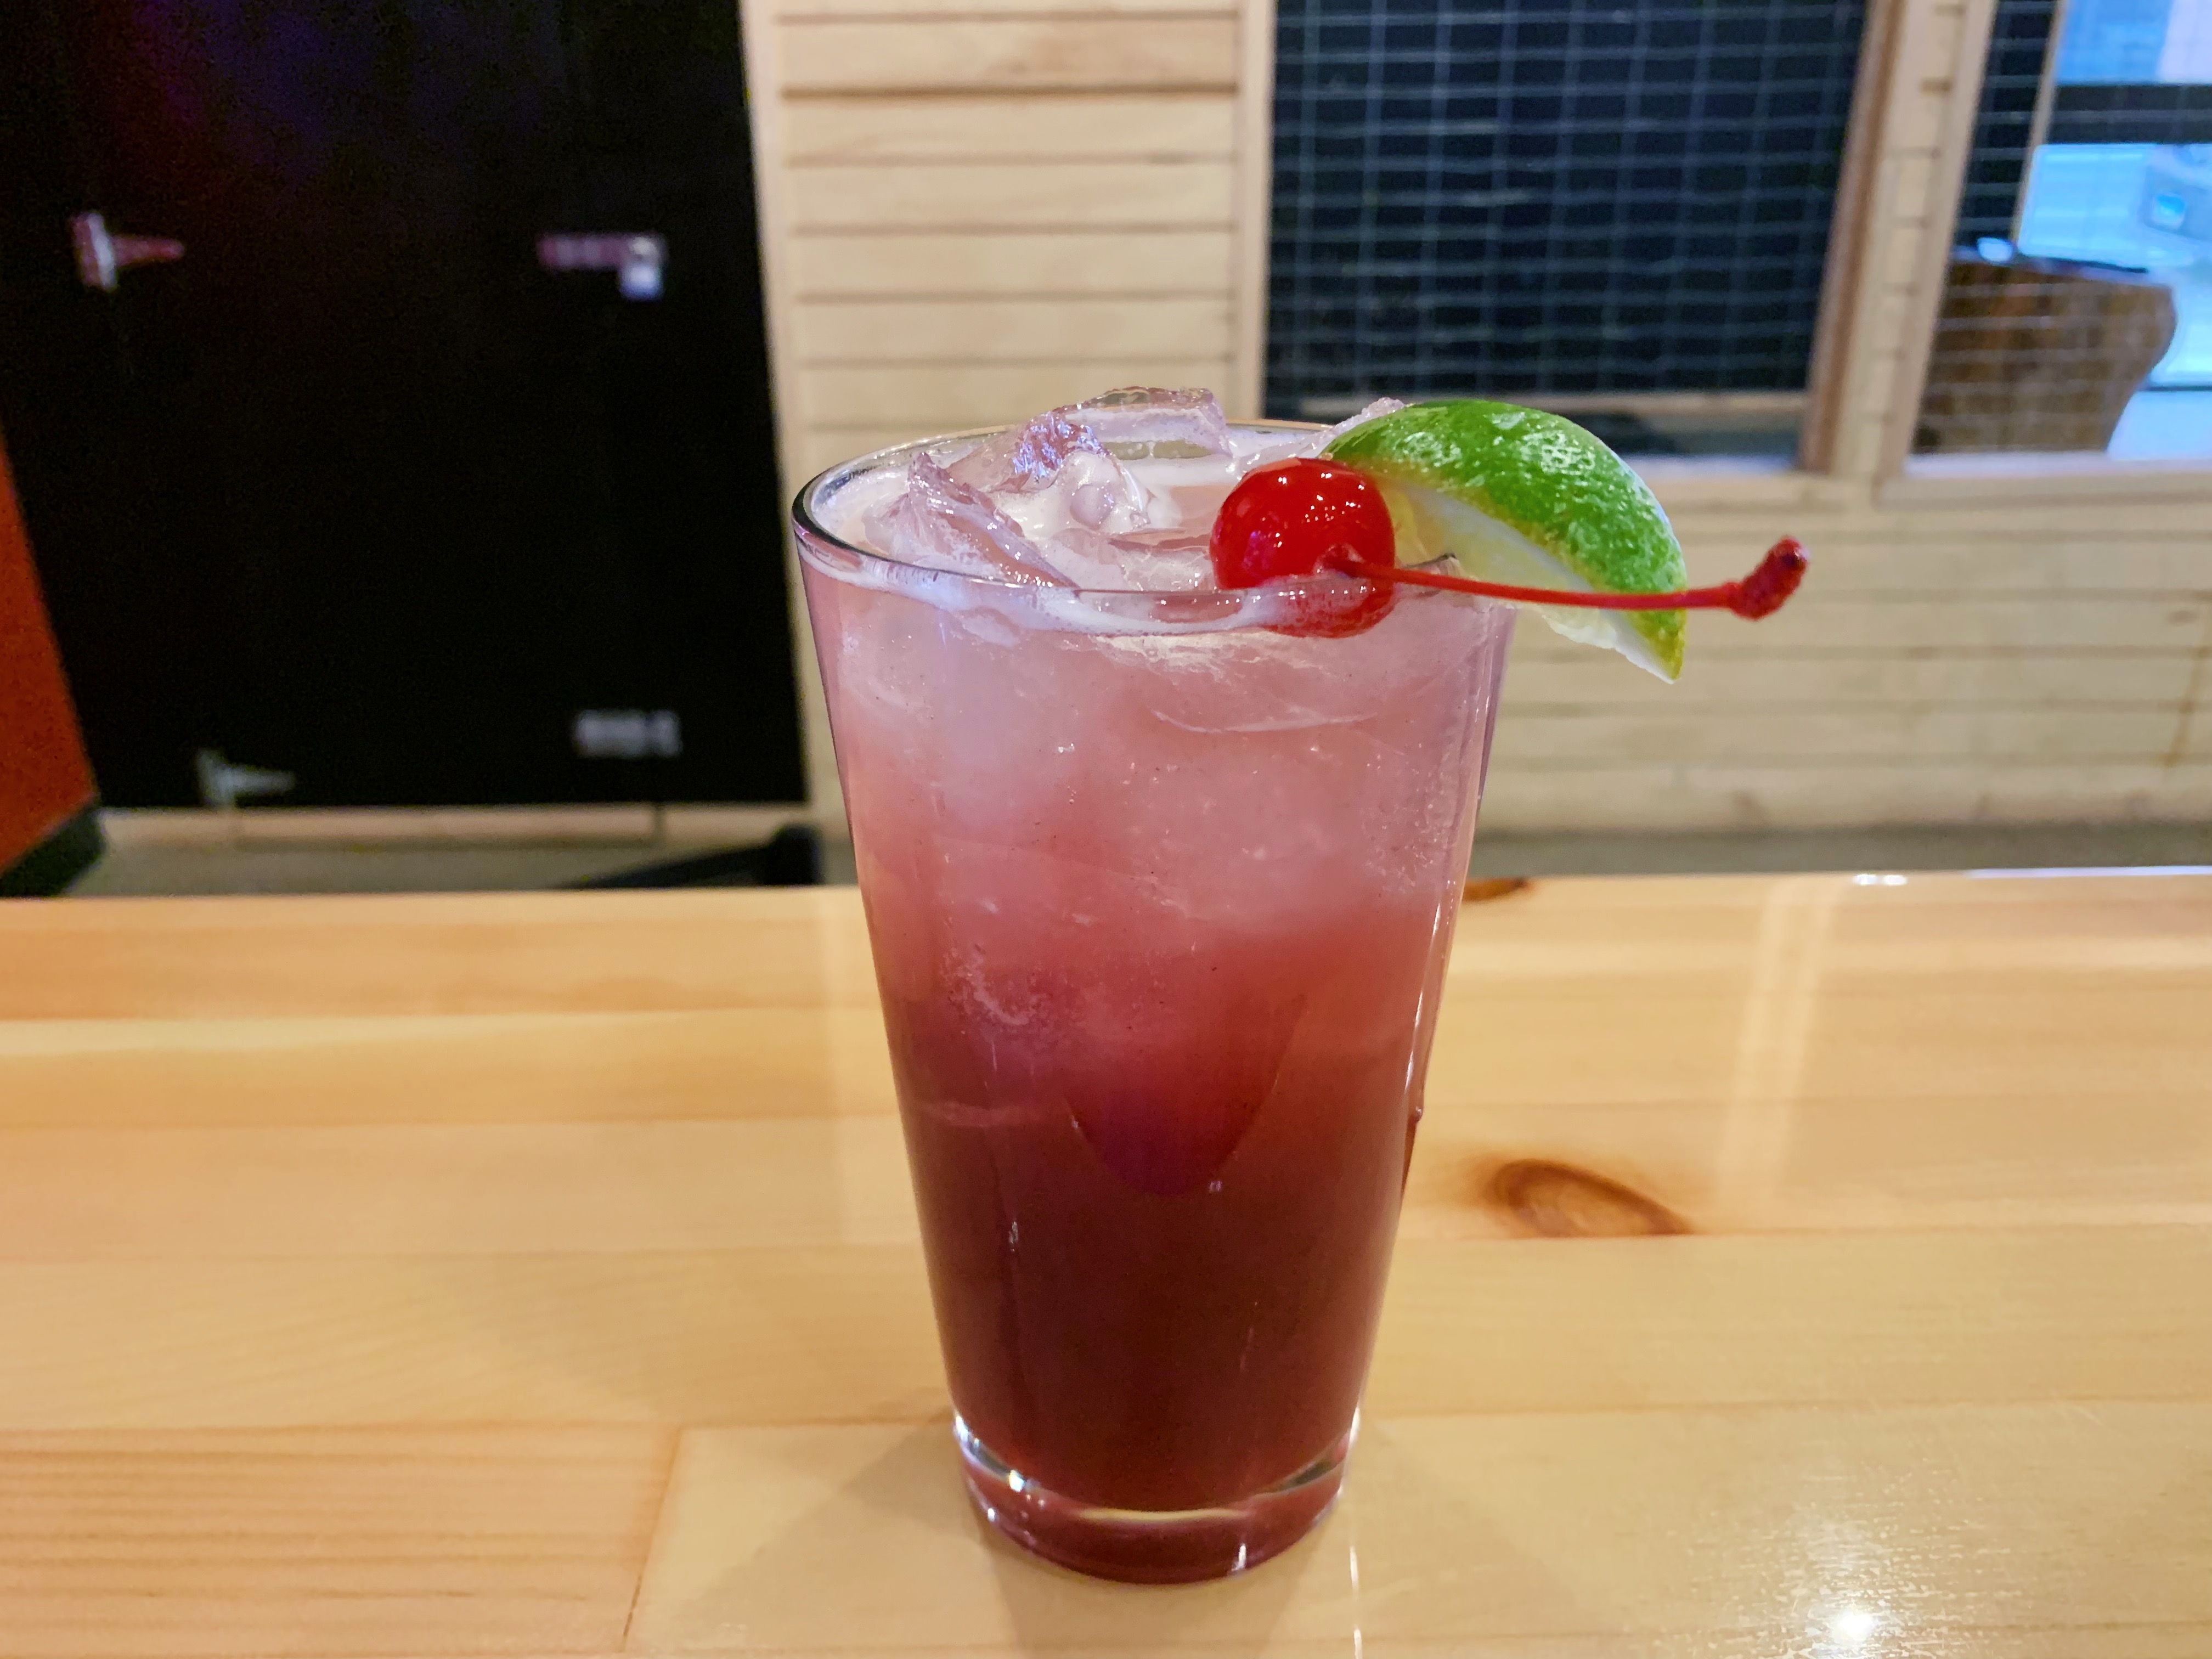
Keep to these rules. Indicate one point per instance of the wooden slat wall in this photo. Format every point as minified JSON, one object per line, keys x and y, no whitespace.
{"x":988,"y":210}
{"x":2023,"y":664}
{"x":972,"y":215}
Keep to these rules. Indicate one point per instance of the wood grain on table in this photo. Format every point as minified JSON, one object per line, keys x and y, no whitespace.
{"x":1816,"y":1265}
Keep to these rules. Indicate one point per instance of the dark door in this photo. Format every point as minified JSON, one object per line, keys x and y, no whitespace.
{"x":389,"y":482}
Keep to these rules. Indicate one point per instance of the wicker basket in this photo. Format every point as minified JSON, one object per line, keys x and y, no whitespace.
{"x":2038,"y":354}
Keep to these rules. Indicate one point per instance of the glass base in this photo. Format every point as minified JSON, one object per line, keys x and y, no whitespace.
{"x":1150,"y":1547}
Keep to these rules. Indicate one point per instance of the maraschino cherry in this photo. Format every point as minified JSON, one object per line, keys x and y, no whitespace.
{"x":1296,"y":518}
{"x":1300,"y":519}
{"x":1303,"y":518}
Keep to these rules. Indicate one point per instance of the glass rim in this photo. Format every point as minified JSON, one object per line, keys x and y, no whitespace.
{"x":805,"y":521}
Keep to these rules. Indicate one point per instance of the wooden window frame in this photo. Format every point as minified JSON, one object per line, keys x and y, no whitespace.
{"x":1911,"y":136}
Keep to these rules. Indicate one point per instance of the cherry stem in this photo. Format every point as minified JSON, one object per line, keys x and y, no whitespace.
{"x":1761,"y":593}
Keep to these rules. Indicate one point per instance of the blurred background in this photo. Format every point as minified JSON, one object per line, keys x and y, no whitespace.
{"x":400,"y":395}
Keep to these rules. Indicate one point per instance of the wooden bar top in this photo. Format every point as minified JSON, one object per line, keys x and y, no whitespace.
{"x":1818,"y":1265}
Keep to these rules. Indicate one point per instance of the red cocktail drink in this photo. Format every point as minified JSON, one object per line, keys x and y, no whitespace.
{"x":1161,"y":886}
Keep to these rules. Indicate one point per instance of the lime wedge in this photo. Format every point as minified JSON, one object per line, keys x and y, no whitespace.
{"x":1524,"y":496}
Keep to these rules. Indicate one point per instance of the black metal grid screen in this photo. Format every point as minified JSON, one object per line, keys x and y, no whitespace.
{"x":2020,"y":35}
{"x":1556,"y":196}
{"x":2126,"y":113}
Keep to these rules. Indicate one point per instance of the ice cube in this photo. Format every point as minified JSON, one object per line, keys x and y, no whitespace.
{"x":1029,"y":456}
{"x":1091,"y":489}
{"x":1296,"y":446}
{"x":1374,"y":411}
{"x":1254,"y":679}
{"x":940,"y":521}
{"x":1141,"y":422}
{"x":1055,"y":473}
{"x":1052,"y":501}
{"x":1146,"y":560}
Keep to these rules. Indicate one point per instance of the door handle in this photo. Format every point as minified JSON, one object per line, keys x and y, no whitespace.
{"x":636,"y":257}
{"x":102,"y":255}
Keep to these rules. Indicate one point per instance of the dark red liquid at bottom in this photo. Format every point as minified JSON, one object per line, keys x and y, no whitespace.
{"x":1157,"y":1208}
{"x":1152,"y":1549}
